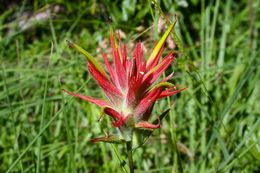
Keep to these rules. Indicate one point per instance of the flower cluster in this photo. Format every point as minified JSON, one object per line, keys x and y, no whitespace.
{"x":129,"y":85}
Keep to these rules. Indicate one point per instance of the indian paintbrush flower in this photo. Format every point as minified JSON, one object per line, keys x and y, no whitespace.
{"x":129,"y":85}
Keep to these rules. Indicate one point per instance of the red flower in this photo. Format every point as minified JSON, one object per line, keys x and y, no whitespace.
{"x":128,"y":83}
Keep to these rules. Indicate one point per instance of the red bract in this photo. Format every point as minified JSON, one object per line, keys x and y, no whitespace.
{"x":128,"y":83}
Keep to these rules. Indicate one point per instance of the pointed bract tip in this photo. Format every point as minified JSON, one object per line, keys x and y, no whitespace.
{"x":111,"y":29}
{"x":89,"y":57}
{"x":163,"y":85}
{"x":109,"y":139}
{"x":145,"y":125}
{"x":70,"y":43}
{"x":160,"y":43}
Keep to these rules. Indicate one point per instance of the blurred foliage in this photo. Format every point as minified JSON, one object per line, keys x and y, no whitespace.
{"x":213,"y":127}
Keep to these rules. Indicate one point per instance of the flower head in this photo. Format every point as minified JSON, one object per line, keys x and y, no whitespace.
{"x":130,"y":84}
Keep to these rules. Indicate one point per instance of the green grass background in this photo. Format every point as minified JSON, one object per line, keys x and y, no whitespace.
{"x":212,"y":127}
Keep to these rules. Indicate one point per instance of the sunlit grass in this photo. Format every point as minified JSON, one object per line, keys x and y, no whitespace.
{"x":212,"y":127}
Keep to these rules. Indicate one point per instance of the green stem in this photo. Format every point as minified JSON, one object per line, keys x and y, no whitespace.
{"x":130,"y":156}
